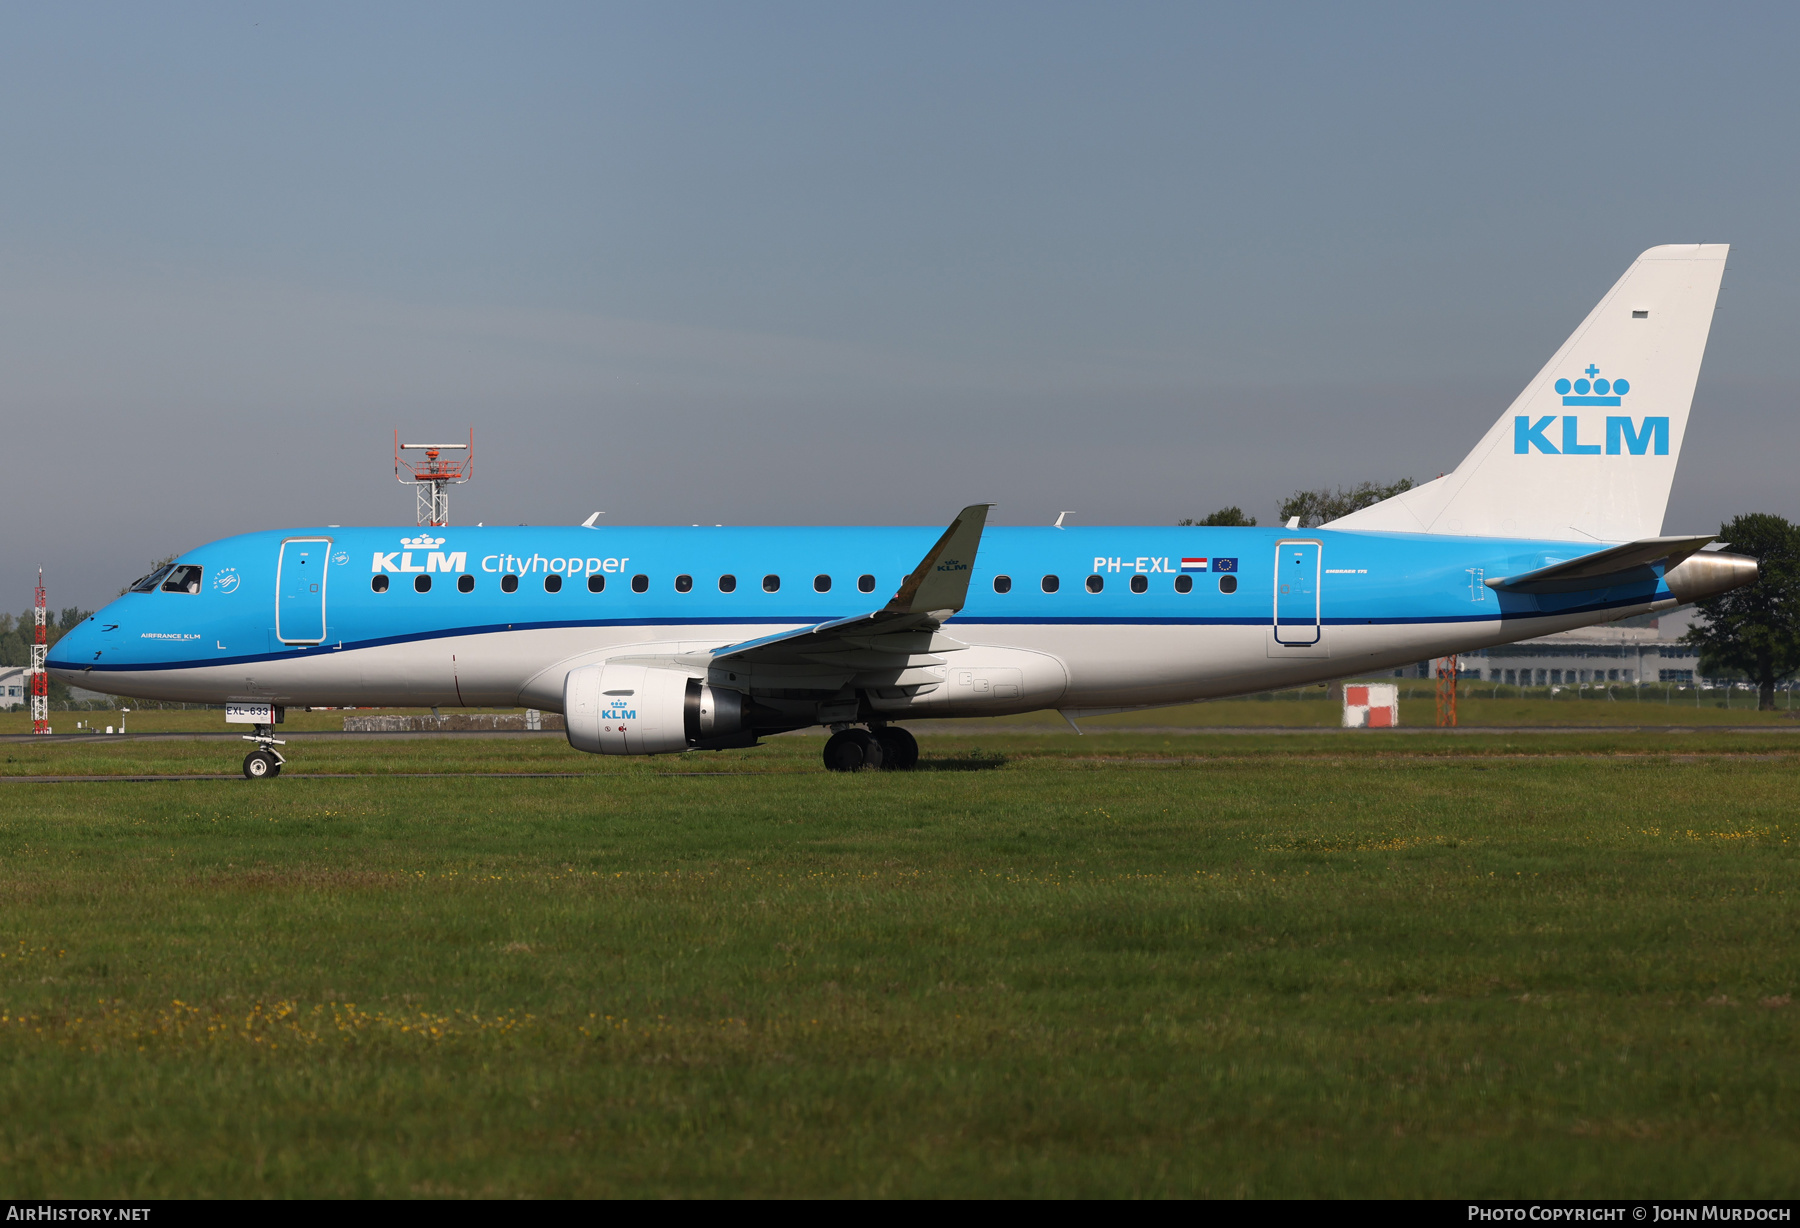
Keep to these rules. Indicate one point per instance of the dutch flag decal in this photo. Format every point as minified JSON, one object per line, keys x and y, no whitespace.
{"x":1193,"y":564}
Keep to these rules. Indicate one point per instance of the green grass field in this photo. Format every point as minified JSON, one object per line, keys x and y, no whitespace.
{"x":1126,"y":964}
{"x":1480,"y":705}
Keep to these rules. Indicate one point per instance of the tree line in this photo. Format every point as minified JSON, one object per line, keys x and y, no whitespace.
{"x":16,"y":633}
{"x":1311,"y":507}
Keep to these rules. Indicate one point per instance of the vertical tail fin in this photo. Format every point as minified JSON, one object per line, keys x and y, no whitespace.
{"x":1587,"y":452}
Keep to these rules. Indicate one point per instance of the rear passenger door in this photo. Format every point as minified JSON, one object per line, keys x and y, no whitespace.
{"x":1297,"y":574}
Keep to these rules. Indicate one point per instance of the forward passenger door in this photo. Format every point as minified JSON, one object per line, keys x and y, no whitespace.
{"x":300,"y":590}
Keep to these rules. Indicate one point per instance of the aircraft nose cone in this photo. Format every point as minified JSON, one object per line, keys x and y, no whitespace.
{"x":61,"y":656}
{"x":75,"y":650}
{"x":1709,"y":573}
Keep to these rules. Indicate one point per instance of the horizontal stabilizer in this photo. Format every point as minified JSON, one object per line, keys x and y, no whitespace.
{"x":1615,"y":564}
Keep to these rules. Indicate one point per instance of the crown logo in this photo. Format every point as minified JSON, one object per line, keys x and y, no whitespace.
{"x":1592,"y":390}
{"x":423,"y":541}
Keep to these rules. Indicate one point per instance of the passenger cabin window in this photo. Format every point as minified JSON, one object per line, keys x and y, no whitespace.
{"x":1228,"y":584}
{"x":728,"y":584}
{"x":378,"y":583}
{"x":771,"y":584}
{"x":1051,"y":584}
{"x":1140,"y":584}
{"x":147,"y":584}
{"x":640,"y":583}
{"x":184,"y":579}
{"x":509,"y":584}
{"x":865,"y":584}
{"x":421,"y":584}
{"x":1184,"y":584}
{"x":553,"y":583}
{"x":1003,"y":584}
{"x":1095,"y":583}
{"x":596,"y":583}
{"x":684,"y":584}
{"x":821,"y":584}
{"x":465,"y":584}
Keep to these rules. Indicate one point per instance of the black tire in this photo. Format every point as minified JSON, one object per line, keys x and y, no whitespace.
{"x":852,"y":750}
{"x":260,"y":765}
{"x":899,"y":749}
{"x":844,"y":751}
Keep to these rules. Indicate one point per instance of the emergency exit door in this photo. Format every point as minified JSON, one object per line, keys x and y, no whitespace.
{"x":1297,"y":572}
{"x":300,"y":590}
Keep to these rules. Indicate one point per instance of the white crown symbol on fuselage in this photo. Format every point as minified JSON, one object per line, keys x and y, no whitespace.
{"x":422,"y":542}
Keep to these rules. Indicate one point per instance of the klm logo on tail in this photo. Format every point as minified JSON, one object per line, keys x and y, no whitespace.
{"x":1623,"y":434}
{"x":1581,"y":390}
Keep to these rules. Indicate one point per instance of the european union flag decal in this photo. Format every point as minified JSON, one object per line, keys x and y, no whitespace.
{"x":1224,"y":564}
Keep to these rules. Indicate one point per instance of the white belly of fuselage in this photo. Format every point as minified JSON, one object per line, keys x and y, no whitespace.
{"x":1005,"y":669}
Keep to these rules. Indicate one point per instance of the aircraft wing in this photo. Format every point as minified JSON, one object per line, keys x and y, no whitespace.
{"x":1613,"y":565}
{"x":895,"y":636}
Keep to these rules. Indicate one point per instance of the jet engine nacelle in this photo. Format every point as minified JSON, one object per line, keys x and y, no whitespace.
{"x":618,"y":708}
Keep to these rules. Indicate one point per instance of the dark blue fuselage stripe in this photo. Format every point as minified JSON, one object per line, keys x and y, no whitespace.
{"x":499,"y":628}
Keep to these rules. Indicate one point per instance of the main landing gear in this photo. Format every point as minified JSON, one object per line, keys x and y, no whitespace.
{"x":887,"y":747}
{"x":265,"y":761}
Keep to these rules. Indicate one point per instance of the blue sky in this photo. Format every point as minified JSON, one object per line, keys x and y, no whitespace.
{"x":838,"y":263}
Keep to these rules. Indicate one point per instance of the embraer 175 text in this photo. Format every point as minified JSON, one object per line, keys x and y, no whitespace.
{"x":653,"y":640}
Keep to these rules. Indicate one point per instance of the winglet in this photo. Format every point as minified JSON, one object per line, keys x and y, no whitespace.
{"x":941,"y":580}
{"x":589,"y":522}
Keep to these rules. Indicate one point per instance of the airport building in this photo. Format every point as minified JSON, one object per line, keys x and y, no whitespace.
{"x":15,"y":686}
{"x":1606,"y":654}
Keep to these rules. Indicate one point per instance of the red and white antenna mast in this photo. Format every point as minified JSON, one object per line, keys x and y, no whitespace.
{"x":40,"y":681}
{"x":430,"y":476}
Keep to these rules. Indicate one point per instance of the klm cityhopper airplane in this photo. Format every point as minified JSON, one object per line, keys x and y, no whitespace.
{"x":655,"y":640}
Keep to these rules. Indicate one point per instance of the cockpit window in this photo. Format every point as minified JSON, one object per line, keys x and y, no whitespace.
{"x":184,"y":579}
{"x":148,"y":583}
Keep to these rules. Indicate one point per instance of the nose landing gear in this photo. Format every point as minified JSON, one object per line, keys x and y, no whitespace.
{"x":265,"y":761}
{"x":886,"y":747}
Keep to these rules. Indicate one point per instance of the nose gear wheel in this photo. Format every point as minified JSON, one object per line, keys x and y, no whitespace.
{"x":265,"y":761}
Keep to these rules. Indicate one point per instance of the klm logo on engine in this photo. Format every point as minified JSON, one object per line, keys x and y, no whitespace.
{"x":1624,"y":435}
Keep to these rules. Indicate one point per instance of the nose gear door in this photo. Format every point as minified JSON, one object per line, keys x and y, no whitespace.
{"x":300,"y":590}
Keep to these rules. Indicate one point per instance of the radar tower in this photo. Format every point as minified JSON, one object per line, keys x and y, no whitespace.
{"x":40,"y":680}
{"x":432,"y":476}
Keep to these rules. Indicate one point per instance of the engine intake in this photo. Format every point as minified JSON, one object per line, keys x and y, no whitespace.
{"x":620,"y":708}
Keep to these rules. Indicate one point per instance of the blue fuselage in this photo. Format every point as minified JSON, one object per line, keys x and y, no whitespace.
{"x":265,"y":611}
